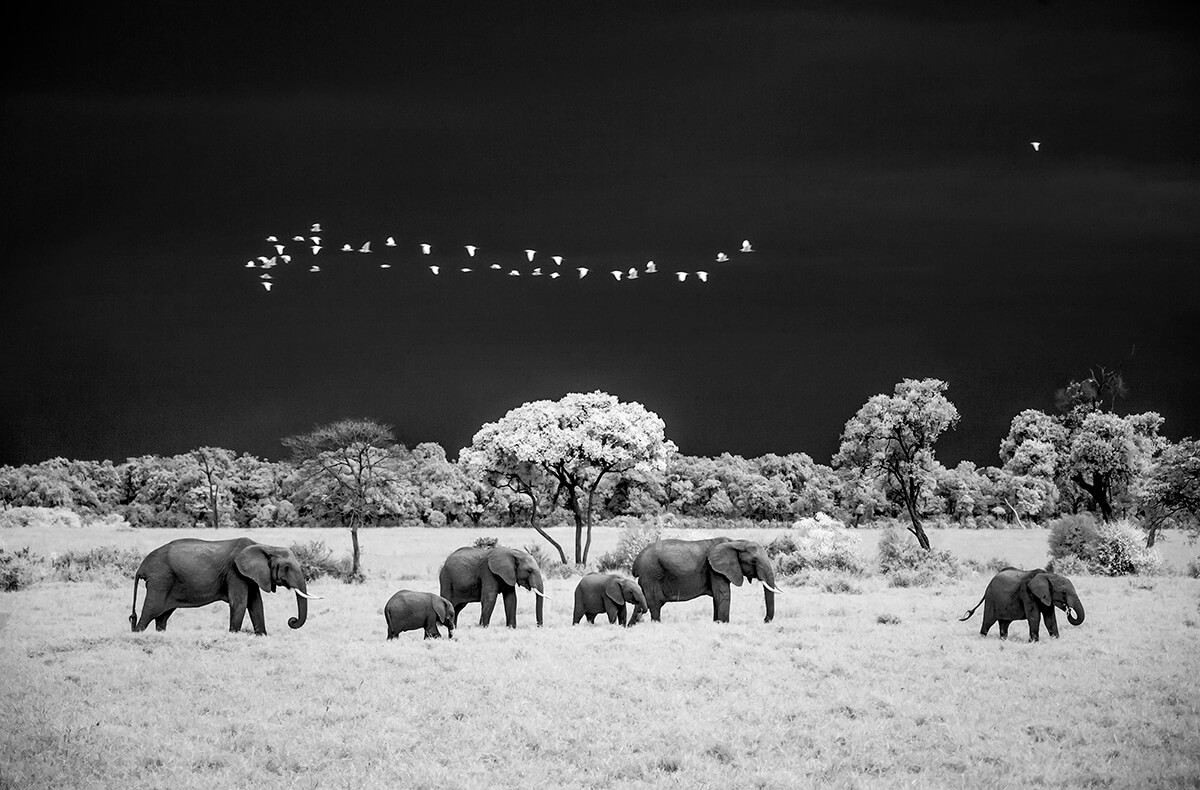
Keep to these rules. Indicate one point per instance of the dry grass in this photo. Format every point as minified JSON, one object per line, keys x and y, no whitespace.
{"x":880,"y":689}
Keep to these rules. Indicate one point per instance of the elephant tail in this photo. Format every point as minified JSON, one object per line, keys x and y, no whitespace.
{"x":133,"y":612}
{"x":971,"y":611}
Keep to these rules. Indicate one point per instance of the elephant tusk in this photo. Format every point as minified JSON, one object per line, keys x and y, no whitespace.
{"x":1071,"y":613}
{"x":536,"y":591}
{"x":308,"y":596}
{"x":773,"y":589}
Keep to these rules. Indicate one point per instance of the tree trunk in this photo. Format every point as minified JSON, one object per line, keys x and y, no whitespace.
{"x":1098,"y":490}
{"x":355,"y":574}
{"x":562,"y":555}
{"x":916,"y":528}
{"x":212,"y":501}
{"x":1151,"y":534}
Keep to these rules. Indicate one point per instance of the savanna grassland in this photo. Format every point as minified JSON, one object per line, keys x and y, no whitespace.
{"x":883,"y":688}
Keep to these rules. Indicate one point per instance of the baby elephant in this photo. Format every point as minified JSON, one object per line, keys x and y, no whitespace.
{"x":605,"y":592}
{"x":408,"y":611}
{"x":1014,"y":594}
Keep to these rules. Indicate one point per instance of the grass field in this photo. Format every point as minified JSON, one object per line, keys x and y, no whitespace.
{"x":879,"y":689}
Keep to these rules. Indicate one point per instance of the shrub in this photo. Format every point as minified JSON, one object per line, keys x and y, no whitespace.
{"x":1193,"y":569}
{"x":906,"y":564}
{"x":19,"y":569}
{"x":552,"y":567}
{"x":316,"y":560}
{"x":816,"y":547}
{"x":1069,"y":565}
{"x":634,"y":536}
{"x":485,"y":543}
{"x":101,"y":562}
{"x":1120,"y":551}
{"x":1074,"y":534}
{"x":841,"y":585}
{"x":39,"y":517}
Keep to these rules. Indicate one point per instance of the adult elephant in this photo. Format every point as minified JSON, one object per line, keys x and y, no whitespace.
{"x":1015,"y":594}
{"x":189,"y":572}
{"x":408,"y":610}
{"x":680,"y":570}
{"x":608,"y":593}
{"x":478,"y":574}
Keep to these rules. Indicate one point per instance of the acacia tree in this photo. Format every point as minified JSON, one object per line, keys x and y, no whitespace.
{"x":570,"y":446}
{"x":891,"y":439}
{"x":1108,"y":452}
{"x":349,"y":467}
{"x":1169,"y":495}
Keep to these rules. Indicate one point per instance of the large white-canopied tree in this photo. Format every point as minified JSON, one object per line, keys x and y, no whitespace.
{"x":560,"y":451}
{"x":891,"y":439}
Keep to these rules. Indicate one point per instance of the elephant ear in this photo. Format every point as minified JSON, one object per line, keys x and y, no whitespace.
{"x":614,"y":591}
{"x":444,"y":610}
{"x":504,"y":565}
{"x":724,"y":560}
{"x":252,"y":563}
{"x":1039,"y":585}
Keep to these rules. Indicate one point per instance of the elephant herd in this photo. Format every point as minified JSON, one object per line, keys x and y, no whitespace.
{"x":190,"y":572}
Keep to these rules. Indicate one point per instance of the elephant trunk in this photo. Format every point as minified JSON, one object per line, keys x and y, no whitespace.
{"x":537,"y":606}
{"x":1074,"y":611}
{"x":301,"y":607}
{"x":769,"y":590}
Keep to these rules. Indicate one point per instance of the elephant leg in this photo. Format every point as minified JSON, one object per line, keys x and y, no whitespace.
{"x":160,"y":622}
{"x":989,"y":619}
{"x":721,"y":604}
{"x":591,"y":617}
{"x":654,"y":602}
{"x":154,"y":606}
{"x":487,"y":603}
{"x":1035,"y":621}
{"x":238,"y":598}
{"x":578,"y":613}
{"x":1051,"y":622}
{"x":458,"y":607}
{"x":621,"y":615}
{"x":510,"y":608}
{"x":254,"y":605}
{"x":610,"y":609}
{"x":1004,"y":628}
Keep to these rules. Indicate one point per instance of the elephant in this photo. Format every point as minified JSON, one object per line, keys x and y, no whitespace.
{"x":191,"y":572}
{"x":475,"y":573}
{"x":1015,"y":594}
{"x":408,"y":610}
{"x":608,"y":593}
{"x":680,"y":570}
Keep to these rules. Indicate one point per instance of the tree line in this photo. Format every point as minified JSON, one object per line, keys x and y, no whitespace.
{"x":590,"y":457}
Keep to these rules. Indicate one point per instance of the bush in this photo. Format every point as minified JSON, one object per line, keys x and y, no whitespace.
{"x":814,"y":545}
{"x":552,"y":567}
{"x":39,"y":517}
{"x":1121,"y":551}
{"x":1074,"y":534}
{"x":101,"y":562}
{"x":1069,"y":565}
{"x":635,"y":536}
{"x":841,"y":585}
{"x":316,"y":560}
{"x":485,"y":543}
{"x":906,"y":564}
{"x":19,"y":569}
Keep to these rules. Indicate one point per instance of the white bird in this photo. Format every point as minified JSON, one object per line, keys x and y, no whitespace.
{"x":617,"y":274}
{"x":315,"y":239}
{"x":297,"y":238}
{"x":557,"y":259}
{"x":249,"y":264}
{"x":746,"y":246}
{"x":722,"y":257}
{"x":391,"y":242}
{"x":316,"y":228}
{"x":554,"y":275}
{"x":433,"y":269}
{"x":266,"y":276}
{"x":264,"y":258}
{"x":272,"y":239}
{"x":316,"y":248}
{"x":496,"y":266}
{"x":536,"y":272}
{"x":681,"y":275}
{"x":703,"y":276}
{"x":347,"y":248}
{"x":514,"y":273}
{"x":268,"y":263}
{"x":471,"y":250}
{"x":651,"y":268}
{"x":425,"y":248}
{"x":385,"y":266}
{"x":315,"y":268}
{"x":464,"y":270}
{"x":267,"y":286}
{"x":365,"y":248}
{"x":529,"y":254}
{"x":1036,"y":145}
{"x":632,"y":275}
{"x":582,"y":272}
{"x":286,"y":258}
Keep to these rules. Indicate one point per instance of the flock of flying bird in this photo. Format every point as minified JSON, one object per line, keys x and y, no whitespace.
{"x":313,"y":242}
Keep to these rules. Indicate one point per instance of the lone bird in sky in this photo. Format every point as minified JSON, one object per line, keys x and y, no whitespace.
{"x":391,"y":242}
{"x":617,"y":274}
{"x":1036,"y":145}
{"x":529,"y":254}
{"x":746,"y":246}
{"x":681,"y":275}
{"x":365,"y":248}
{"x":582,"y":272}
{"x":316,"y":228}
{"x":471,"y":250}
{"x":347,"y":248}
{"x":703,"y":276}
{"x":425,"y":248}
{"x":433,"y":269}
{"x":722,"y":257}
{"x":267,"y":286}
{"x":651,"y":268}
{"x":557,"y":259}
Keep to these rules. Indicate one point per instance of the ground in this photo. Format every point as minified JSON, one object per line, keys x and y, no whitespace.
{"x":884,"y":688}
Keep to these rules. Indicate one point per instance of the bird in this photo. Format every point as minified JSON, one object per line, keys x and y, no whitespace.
{"x":703,"y":276}
{"x":347,"y":248}
{"x":265,"y":276}
{"x":267,"y":286}
{"x":433,"y":269}
{"x":681,"y":275}
{"x":315,"y":239}
{"x":632,"y":275}
{"x":285,"y":258}
{"x":279,"y":249}
{"x":391,"y":242}
{"x":272,"y":239}
{"x":651,"y":268}
{"x":722,"y":257}
{"x":514,"y":273}
{"x":464,"y":270}
{"x":297,"y":238}
{"x":365,"y":248}
{"x":746,"y":246}
{"x":471,"y":250}
{"x":385,"y":266}
{"x":617,"y":274}
{"x":529,"y":254}
{"x":268,"y":262}
{"x":316,"y":248}
{"x":536,"y":272}
{"x":425,"y":248}
{"x":316,"y":228}
{"x":249,"y":264}
{"x":554,"y":275}
{"x":582,"y":271}
{"x":315,"y":268}
{"x":496,"y":266}
{"x":1036,"y":145}
{"x":557,"y":259}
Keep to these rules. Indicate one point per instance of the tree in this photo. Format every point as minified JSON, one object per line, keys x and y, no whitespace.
{"x":1108,"y":452}
{"x":349,"y":467}
{"x":1169,"y":495}
{"x":891,"y":439}
{"x":568,"y":447}
{"x":215,"y":465}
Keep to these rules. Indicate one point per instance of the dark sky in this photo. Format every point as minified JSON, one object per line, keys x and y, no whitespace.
{"x":880,"y":161}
